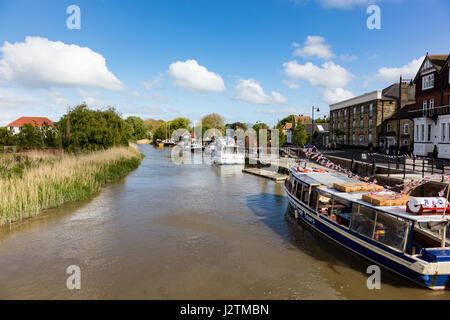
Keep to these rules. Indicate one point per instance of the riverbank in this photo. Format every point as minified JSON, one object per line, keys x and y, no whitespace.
{"x":33,"y":182}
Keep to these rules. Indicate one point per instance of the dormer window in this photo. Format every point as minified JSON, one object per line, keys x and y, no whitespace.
{"x":428,"y":81}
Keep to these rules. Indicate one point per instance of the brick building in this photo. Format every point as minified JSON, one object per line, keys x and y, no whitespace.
{"x":358,"y":121}
{"x":432,"y":115}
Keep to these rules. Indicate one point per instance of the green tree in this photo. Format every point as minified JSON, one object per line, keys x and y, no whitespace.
{"x":213,"y":120}
{"x":139,"y":128}
{"x":238,"y":125}
{"x":300,"y":137}
{"x":85,"y":129}
{"x":31,"y":137}
{"x":7,"y":138}
{"x":153,"y":124}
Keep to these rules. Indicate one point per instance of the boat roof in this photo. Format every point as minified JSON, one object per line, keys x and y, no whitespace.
{"x":326,"y":181}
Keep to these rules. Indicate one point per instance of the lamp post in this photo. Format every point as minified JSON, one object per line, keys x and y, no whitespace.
{"x":312,"y":125}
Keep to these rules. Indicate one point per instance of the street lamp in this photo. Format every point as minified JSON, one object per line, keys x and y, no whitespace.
{"x":312,"y":125}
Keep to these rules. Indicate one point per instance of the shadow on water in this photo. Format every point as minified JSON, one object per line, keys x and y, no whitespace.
{"x":318,"y":247}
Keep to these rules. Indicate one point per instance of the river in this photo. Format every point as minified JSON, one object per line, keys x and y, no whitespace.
{"x":171,"y":231}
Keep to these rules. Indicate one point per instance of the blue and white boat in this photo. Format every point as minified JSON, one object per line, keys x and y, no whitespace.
{"x":411,"y":245}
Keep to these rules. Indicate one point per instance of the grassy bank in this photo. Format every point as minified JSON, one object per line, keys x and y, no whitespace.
{"x":36,"y":181}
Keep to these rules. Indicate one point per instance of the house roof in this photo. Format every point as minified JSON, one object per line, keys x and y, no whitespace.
{"x":438,"y":60}
{"x":34,"y":121}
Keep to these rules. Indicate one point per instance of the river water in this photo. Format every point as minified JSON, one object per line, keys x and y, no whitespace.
{"x":171,"y":231}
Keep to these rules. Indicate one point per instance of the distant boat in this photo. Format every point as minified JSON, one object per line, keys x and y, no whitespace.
{"x":225,"y":151}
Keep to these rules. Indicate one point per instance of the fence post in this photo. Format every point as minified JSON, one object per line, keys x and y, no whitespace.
{"x":423,"y":167}
{"x":389,"y":168}
{"x":443,"y":172}
{"x":404,"y":168}
{"x":432,"y":166}
{"x":414,"y":163}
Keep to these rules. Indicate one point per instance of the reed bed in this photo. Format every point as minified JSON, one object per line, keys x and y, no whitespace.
{"x":36,"y":181}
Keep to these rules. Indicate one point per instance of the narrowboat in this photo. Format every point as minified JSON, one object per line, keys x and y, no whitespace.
{"x":396,"y":233}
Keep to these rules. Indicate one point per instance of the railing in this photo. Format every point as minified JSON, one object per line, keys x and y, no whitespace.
{"x":431,"y":112}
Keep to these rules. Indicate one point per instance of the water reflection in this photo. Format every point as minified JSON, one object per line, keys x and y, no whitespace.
{"x":183,"y":232}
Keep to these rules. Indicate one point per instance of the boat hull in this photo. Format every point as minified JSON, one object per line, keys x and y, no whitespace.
{"x":357,"y":245}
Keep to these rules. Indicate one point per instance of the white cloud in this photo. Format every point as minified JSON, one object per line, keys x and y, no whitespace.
{"x":333,"y":95}
{"x":407,"y":71}
{"x":251,"y":91}
{"x":155,"y":83}
{"x":291,"y":84}
{"x":328,"y":75}
{"x":289,"y":110}
{"x":190,"y":75}
{"x":58,"y":99}
{"x":41,"y":63}
{"x":348,"y":57}
{"x":346,"y":3}
{"x":314,"y":46}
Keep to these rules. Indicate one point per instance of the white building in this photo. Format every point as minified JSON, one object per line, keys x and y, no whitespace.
{"x":432,"y":115}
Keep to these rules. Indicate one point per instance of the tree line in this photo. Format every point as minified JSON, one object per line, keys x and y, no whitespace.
{"x":84,"y":129}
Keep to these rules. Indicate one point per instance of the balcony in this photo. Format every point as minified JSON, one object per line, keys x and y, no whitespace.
{"x":431,"y":112}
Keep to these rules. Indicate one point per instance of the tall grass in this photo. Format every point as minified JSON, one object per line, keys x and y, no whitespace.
{"x":39,"y":181}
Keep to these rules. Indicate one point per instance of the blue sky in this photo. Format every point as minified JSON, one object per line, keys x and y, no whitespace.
{"x":248,"y":60}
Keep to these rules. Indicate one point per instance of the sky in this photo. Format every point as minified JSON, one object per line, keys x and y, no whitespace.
{"x":248,"y":60}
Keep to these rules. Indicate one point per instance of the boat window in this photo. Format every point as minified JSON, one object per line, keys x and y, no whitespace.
{"x":338,"y":210}
{"x":363,"y":220}
{"x":391,"y":231}
{"x":341,"y":212}
{"x":305,"y":195}
{"x":324,"y":202}
{"x":313,"y":197}
{"x":298,"y":195}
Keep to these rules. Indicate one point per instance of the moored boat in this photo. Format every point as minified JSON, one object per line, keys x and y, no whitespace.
{"x":379,"y":225}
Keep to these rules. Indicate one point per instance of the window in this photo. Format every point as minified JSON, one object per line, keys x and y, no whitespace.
{"x":339,"y":116}
{"x":391,"y":231}
{"x":443,"y":132}
{"x":448,"y":133}
{"x":354,"y":112}
{"x":362,"y":111}
{"x":423,"y":132}
{"x":345,"y":138}
{"x":345,"y":125}
{"x":361,"y":124}
{"x":370,"y":138}
{"x":371,"y":110}
{"x":354,"y":124}
{"x":361,"y":140}
{"x":370,"y":124}
{"x":345,"y":114}
{"x":431,"y":103}
{"x":337,"y":210}
{"x":428,"y":82}
{"x":406,"y":128}
{"x":388,"y":127}
{"x":429,"y":132}
{"x":354,"y":139}
{"x":363,"y":221}
{"x":417,"y":132}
